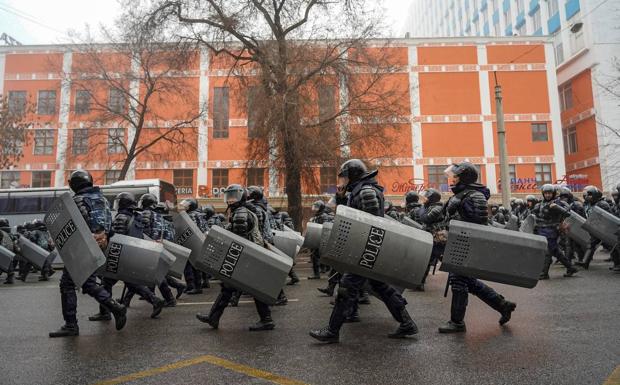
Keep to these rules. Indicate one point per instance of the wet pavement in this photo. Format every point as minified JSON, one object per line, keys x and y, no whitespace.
{"x":565,"y":331}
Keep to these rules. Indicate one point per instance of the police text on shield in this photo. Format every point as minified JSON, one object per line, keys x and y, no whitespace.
{"x":231,"y":259}
{"x":373,"y":247}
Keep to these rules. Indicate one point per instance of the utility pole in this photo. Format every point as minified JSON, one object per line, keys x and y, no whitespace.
{"x":503,"y":154}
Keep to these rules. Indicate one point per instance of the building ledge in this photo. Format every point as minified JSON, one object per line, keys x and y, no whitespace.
{"x":573,"y":58}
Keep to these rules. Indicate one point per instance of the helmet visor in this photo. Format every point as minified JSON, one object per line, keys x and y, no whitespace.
{"x":316,"y":207}
{"x":232,"y":196}
{"x":450,"y":171}
{"x":116,"y":204}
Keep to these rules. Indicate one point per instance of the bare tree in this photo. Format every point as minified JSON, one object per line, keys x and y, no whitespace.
{"x":136,"y":81}
{"x":13,"y":131}
{"x":321,"y":92}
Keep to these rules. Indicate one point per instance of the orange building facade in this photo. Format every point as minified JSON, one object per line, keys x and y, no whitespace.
{"x":449,"y":117}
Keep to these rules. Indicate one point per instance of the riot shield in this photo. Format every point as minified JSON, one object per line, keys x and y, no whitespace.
{"x":575,"y":229}
{"x":244,"y":265}
{"x":603,"y":225}
{"x":136,"y":261}
{"x":74,"y":242}
{"x":298,"y":237}
{"x":6,"y":258}
{"x":411,"y":223}
{"x":325,"y":232}
{"x":182,"y":255}
{"x":312,"y":238}
{"x":378,"y":248}
{"x":188,"y":235}
{"x":528,"y":224}
{"x":513,"y":223}
{"x":287,"y":242}
{"x":498,"y":225}
{"x":493,"y":254}
{"x":32,"y":252}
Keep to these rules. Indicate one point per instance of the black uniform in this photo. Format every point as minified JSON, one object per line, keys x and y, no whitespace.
{"x":432,"y":217}
{"x":594,"y":198}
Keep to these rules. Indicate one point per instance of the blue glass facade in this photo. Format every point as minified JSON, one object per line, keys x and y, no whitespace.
{"x":554,"y":23}
{"x":534,"y":5}
{"x":572,"y":7}
{"x":520,"y":20}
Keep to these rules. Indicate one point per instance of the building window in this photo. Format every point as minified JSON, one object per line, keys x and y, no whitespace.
{"x":570,"y":140}
{"x":9,"y":179}
{"x":508,"y":17}
{"x":255,"y":177}
{"x":220,"y":112}
{"x":116,"y":138}
{"x":559,"y":51}
{"x":79,"y":145}
{"x":543,"y":174}
{"x":46,"y":105}
{"x":512,"y":172}
{"x":576,"y":40}
{"x":41,"y":179}
{"x":539,"y":132}
{"x":537,"y":21}
{"x":328,"y":180}
{"x":219,"y":177}
{"x":183,"y":180}
{"x":552,"y":6}
{"x":82,"y":102}
{"x":116,"y":101}
{"x":520,"y":7}
{"x":327,"y":109}
{"x":17,"y":102}
{"x":112,"y":176}
{"x":43,"y":142}
{"x":437,"y":178}
{"x":253,"y":109}
{"x":566,"y":96}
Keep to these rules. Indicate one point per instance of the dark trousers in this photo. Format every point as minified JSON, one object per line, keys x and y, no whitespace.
{"x":223,"y":299}
{"x":461,"y":287}
{"x":193,"y":277}
{"x":349,"y":291}
{"x":553,"y":249}
{"x":132,"y":289}
{"x":68,"y":297}
{"x":316,"y":264}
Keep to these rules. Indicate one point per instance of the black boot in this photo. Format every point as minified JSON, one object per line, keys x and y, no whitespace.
{"x":294,"y":278}
{"x":314,"y":277}
{"x":505,"y":308}
{"x":572,"y":270}
{"x":263,"y":324}
{"x":453,"y":327}
{"x":213,"y":318}
{"x":118,"y":311}
{"x":44,"y":276}
{"x":325,"y":335}
{"x":180,"y":290}
{"x":354,"y":316}
{"x":234,"y":300}
{"x":406,"y":328}
{"x":103,"y":315}
{"x":364,"y":298}
{"x":329,"y":290}
{"x":9,"y":279}
{"x":66,"y":331}
{"x":545,"y":272}
{"x":194,"y":291}
{"x":458,"y":307}
{"x":282,"y":300}
{"x":158,"y":305}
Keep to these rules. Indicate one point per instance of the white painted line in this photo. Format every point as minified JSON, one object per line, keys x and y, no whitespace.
{"x":211,"y":303}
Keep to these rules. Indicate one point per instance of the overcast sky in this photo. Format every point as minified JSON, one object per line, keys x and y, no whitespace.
{"x":47,"y":21}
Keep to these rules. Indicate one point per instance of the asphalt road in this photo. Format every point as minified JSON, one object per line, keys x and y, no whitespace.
{"x":565,"y":331}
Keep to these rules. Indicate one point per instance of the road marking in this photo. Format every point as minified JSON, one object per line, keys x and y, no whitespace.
{"x":213,"y":360}
{"x":614,"y":379}
{"x":211,"y":303}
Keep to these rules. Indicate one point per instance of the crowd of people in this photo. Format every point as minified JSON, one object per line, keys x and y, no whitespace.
{"x":250,"y":215}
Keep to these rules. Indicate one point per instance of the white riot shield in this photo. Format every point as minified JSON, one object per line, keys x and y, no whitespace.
{"x":493,"y":254}
{"x":603,"y":225}
{"x":244,"y":265}
{"x":312,"y":238}
{"x":32,"y":252}
{"x":528,"y":224}
{"x":80,"y":253}
{"x":188,"y":235}
{"x":513,"y":223}
{"x":6,"y":258}
{"x":182,"y":255}
{"x":136,"y":261}
{"x":575,"y":229}
{"x":378,"y":248}
{"x":411,"y":223}
{"x":287,"y":242}
{"x":325,"y":233}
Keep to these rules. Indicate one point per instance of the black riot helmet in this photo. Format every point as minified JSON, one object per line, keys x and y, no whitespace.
{"x":318,"y":206}
{"x":189,"y":204}
{"x":432,"y":196}
{"x":255,"y":193}
{"x":148,"y":201}
{"x":411,"y":197}
{"x":466,"y":171}
{"x":354,"y":169}
{"x":548,"y":188}
{"x":531,"y":199}
{"x":80,"y":179}
{"x":38,"y":224}
{"x":615,"y":196}
{"x":4,"y":225}
{"x":512,"y":202}
{"x":208,"y":210}
{"x":387,"y":205}
{"x":29,"y":226}
{"x":592,"y":194}
{"x":519,"y":203}
{"x":235,"y":194}
{"x":161,"y":208}
{"x":125,"y":200}
{"x":618,"y":188}
{"x":20,"y":229}
{"x":565,"y":193}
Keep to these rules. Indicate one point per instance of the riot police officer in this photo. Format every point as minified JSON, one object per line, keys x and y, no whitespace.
{"x":520,"y":209}
{"x":413,"y":205}
{"x":570,"y":246}
{"x":531,"y":202}
{"x":41,"y":237}
{"x":168,"y":233}
{"x":469,"y":204}
{"x":367,"y":195}
{"x":8,"y":242}
{"x":244,"y":223}
{"x":432,"y":217}
{"x":96,"y":211}
{"x":320,"y":216}
{"x":128,"y":222}
{"x":549,"y":213}
{"x":593,"y":197}
{"x":391,"y":211}
{"x":193,"y":276}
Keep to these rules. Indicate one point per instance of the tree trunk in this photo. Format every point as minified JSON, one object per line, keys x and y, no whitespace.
{"x":125,"y":168}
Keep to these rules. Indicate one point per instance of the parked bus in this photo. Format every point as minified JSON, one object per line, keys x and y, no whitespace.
{"x":25,"y":204}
